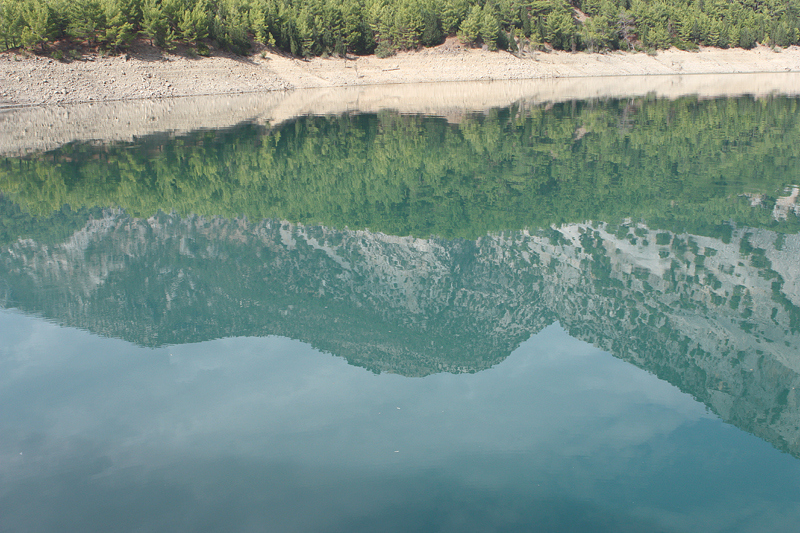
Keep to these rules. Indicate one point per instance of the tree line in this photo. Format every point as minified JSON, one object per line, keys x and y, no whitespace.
{"x":323,"y":27}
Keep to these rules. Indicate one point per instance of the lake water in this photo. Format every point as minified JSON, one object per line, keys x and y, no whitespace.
{"x":582,"y":316}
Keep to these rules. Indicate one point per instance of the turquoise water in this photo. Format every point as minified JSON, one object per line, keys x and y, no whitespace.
{"x":582,"y":318}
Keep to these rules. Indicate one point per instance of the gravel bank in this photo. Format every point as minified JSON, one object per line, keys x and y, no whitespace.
{"x":147,"y":73}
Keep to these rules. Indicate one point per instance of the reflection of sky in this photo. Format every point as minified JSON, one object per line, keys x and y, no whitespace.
{"x":255,"y":434}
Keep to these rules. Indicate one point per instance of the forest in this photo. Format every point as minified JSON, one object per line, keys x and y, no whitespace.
{"x":307,"y":28}
{"x":680,"y":165}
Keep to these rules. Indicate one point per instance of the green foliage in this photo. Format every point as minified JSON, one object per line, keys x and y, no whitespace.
{"x":453,"y":13}
{"x":560,"y":30}
{"x":470,"y":31}
{"x":121,"y":17}
{"x":316,"y":27}
{"x":39,"y":25}
{"x":600,"y":32}
{"x":12,"y":23}
{"x":194,"y":23}
{"x":154,"y":22}
{"x":490,"y":28}
{"x":229,"y":26}
{"x":431,"y":27}
{"x":87,"y":20}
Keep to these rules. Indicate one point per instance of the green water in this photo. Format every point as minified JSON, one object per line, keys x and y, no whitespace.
{"x":577,"y":318}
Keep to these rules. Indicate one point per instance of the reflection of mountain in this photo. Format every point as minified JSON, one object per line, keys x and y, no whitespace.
{"x":718,"y":317}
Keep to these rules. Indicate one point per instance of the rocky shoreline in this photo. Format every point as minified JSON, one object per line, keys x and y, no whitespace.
{"x":146,"y":72}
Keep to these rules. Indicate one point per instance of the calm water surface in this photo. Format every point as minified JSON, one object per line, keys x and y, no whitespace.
{"x":583,"y":317}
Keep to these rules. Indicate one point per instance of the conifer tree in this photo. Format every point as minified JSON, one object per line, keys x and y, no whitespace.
{"x":470,"y":30}
{"x":490,"y":28}
{"x":12,"y":23}
{"x":87,"y":19}
{"x":39,"y":24}
{"x":120,"y":20}
{"x":154,"y":22}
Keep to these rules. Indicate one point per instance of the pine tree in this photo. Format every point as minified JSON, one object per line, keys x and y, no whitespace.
{"x":11,"y":23}
{"x":453,"y":14}
{"x":353,"y":25}
{"x":470,"y":30}
{"x":490,"y":28}
{"x":120,"y":20}
{"x":193,"y":23}
{"x":154,"y":22}
{"x":39,"y":27}
{"x":87,"y":20}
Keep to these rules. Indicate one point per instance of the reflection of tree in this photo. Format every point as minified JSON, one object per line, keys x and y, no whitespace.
{"x":680,"y":164}
{"x":703,"y":302}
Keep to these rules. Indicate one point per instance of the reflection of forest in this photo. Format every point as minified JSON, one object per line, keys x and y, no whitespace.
{"x":679,"y":164}
{"x":718,"y":317}
{"x":706,"y":295}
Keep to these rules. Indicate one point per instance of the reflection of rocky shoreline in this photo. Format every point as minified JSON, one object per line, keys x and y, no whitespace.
{"x":718,"y":317}
{"x":784,"y":206}
{"x":42,"y":128}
